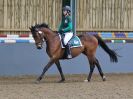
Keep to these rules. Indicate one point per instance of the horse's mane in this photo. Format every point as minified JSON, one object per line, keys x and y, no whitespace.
{"x":33,"y":28}
{"x":37,"y":26}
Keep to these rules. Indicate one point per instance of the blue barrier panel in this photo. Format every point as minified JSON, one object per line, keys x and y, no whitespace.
{"x":130,"y":35}
{"x":106,"y":35}
{"x":120,"y":35}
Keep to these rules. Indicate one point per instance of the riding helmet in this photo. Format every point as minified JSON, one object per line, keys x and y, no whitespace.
{"x":67,"y":8}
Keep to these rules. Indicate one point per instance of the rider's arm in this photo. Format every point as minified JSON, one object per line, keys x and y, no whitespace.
{"x":69,"y":28}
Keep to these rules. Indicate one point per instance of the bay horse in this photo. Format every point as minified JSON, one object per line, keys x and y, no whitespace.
{"x":42,"y":32}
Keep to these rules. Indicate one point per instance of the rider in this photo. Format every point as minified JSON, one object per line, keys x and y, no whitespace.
{"x":66,"y":29}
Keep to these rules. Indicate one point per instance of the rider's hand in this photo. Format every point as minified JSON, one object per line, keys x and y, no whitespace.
{"x":61,"y":31}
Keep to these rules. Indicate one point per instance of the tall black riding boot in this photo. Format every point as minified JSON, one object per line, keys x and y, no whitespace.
{"x":68,"y":50}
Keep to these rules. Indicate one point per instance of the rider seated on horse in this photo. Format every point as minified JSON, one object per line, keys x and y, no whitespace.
{"x":66,"y":29}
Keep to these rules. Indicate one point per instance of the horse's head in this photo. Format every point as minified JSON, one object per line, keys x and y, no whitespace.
{"x":38,"y":35}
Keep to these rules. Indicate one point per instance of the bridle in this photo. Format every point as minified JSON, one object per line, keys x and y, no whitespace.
{"x":41,"y":35}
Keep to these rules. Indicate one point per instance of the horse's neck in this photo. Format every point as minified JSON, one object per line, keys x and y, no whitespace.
{"x":49,"y":35}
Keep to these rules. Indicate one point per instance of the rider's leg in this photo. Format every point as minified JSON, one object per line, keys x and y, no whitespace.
{"x":68,"y":51}
{"x":68,"y":36}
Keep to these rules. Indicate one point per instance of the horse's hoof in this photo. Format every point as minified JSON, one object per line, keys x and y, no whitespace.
{"x":61,"y":81}
{"x":86,"y":80}
{"x":37,"y":82}
{"x":104,"y":78}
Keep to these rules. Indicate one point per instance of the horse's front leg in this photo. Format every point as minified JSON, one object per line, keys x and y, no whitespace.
{"x":50,"y":63}
{"x":60,"y":71}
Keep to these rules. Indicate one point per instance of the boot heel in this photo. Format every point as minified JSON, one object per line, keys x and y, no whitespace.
{"x":69,"y":56}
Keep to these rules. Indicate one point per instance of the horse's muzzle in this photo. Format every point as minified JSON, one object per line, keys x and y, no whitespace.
{"x":39,"y":46}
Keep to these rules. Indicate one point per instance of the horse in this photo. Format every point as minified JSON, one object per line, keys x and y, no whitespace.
{"x":42,"y":33}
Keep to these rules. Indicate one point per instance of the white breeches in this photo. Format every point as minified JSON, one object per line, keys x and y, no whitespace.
{"x":67,"y":37}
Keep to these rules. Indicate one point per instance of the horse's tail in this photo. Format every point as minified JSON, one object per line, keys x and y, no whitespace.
{"x":113,"y":55}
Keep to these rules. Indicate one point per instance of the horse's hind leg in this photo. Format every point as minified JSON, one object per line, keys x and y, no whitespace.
{"x":92,"y":66}
{"x":91,"y":60}
{"x":99,"y":69}
{"x":60,"y":71}
{"x":91,"y":71}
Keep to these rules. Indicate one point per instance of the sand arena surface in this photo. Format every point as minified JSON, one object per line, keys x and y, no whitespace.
{"x":117,"y":86}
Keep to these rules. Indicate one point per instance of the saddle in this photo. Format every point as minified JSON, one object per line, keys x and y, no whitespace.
{"x":74,"y":42}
